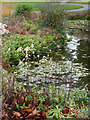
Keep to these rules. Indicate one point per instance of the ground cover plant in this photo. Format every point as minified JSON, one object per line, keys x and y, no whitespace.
{"x":79,"y":24}
{"x":30,"y":40}
{"x":38,"y":105}
{"x":81,"y":15}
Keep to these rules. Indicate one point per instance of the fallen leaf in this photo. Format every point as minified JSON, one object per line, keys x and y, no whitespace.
{"x":35,"y":102}
{"x":5,"y":115}
{"x":35,"y":111}
{"x":30,"y":115}
{"x":38,"y":114}
{"x":27,"y":110}
{"x":44,"y":114}
{"x":16,"y":114}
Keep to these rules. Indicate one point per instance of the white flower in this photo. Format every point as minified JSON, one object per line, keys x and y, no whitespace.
{"x":26,"y":55}
{"x":2,"y":26}
{"x":32,"y":45}
{"x":20,"y":63}
{"x":1,"y":32}
{"x":27,"y":49}
{"x":19,"y":49}
{"x":2,"y":29}
{"x":58,"y":46}
{"x":38,"y":56}
{"x":48,"y":55}
{"x":63,"y":57}
{"x":25,"y":63}
{"x":8,"y":50}
{"x":33,"y":52}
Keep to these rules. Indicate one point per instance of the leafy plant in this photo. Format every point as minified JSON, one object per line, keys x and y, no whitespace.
{"x":53,"y":16}
{"x":21,"y":8}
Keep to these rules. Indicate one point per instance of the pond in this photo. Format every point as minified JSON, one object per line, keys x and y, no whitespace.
{"x":66,"y":68}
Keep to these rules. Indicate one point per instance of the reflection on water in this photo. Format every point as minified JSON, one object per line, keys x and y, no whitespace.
{"x":72,"y":45}
{"x":79,"y":49}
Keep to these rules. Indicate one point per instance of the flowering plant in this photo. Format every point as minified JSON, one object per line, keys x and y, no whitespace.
{"x":3,"y":29}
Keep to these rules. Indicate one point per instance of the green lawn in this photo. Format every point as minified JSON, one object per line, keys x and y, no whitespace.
{"x":71,"y":7}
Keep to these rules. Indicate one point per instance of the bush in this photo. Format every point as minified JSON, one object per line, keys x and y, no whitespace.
{"x":88,"y":17}
{"x":75,"y":17}
{"x":53,"y":16}
{"x":22,"y":8}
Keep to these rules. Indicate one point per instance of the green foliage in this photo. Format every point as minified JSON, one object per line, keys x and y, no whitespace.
{"x":21,"y":8}
{"x":53,"y":16}
{"x":87,"y":17}
{"x":60,"y":104}
{"x":30,"y":26}
{"x":14,"y":46}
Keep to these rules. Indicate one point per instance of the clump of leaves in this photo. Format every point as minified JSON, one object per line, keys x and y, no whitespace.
{"x":21,"y":8}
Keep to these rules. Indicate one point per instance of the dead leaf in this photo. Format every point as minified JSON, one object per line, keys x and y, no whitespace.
{"x":27,"y":110}
{"x":35,"y":111}
{"x":33,"y":108}
{"x":44,"y":114}
{"x":38,"y":114}
{"x":16,"y":114}
{"x":35,"y":102}
{"x":5,"y":105}
{"x":5,"y":115}
{"x":30,"y":115}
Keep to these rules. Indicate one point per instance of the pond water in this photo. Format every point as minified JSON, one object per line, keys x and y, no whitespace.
{"x":67,"y":68}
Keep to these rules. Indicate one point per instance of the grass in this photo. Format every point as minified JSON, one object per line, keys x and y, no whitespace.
{"x":71,"y":7}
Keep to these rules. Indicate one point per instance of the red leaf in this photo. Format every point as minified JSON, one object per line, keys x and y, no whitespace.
{"x":66,"y":111}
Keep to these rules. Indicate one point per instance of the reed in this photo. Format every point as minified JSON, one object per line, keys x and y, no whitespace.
{"x":6,"y":11}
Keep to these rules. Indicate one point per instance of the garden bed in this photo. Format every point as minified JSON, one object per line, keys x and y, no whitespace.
{"x":27,"y":48}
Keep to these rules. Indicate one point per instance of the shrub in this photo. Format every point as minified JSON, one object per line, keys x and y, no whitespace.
{"x":53,"y":16}
{"x":88,"y":17}
{"x":22,"y":8}
{"x":75,"y":17}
